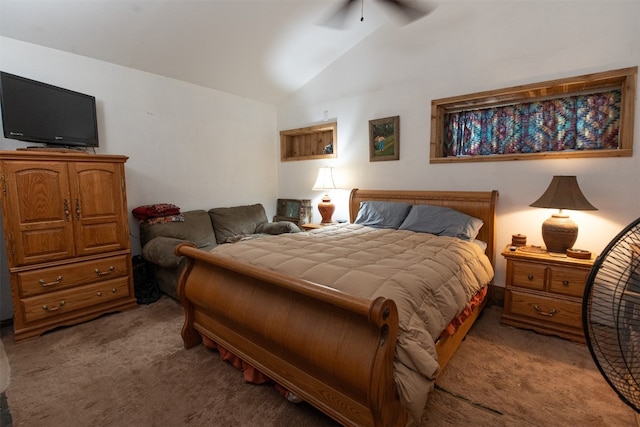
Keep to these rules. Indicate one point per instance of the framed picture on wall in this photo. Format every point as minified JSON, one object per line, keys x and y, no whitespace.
{"x":294,"y":210}
{"x":384,"y":139}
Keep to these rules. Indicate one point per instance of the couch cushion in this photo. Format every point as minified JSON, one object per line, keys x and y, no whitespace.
{"x":196,"y":228}
{"x":160,"y":251}
{"x":236,"y":221}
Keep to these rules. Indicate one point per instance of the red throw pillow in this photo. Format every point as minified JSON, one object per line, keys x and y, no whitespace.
{"x":154,"y":211}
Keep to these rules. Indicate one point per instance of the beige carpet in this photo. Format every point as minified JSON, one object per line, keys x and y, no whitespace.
{"x":131,"y":369}
{"x":4,"y":369}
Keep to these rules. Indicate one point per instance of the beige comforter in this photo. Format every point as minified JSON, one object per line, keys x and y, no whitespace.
{"x":430,"y":279}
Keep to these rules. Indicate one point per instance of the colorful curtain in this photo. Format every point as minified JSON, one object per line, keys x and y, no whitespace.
{"x":580,"y":122}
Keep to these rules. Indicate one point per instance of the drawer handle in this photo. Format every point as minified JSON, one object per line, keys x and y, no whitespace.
{"x":45,"y":284}
{"x":565,"y":283}
{"x":545,"y":313}
{"x":530,"y":277}
{"x":104,"y":273}
{"x":50,"y":309}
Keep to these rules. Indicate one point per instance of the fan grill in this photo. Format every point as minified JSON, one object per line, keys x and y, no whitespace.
{"x":611,"y":314}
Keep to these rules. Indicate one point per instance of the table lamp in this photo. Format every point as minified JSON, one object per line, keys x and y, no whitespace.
{"x":324,"y":182}
{"x":559,"y":232}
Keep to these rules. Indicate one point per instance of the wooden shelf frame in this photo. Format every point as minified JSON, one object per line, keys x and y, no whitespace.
{"x":309,"y":143}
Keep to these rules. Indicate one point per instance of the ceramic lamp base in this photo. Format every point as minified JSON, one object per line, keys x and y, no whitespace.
{"x":326,"y":209}
{"x":559,"y":233}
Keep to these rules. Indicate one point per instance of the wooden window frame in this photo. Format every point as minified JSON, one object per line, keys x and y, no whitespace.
{"x":623,"y":79}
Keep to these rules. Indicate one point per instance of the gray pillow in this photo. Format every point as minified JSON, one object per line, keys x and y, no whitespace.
{"x":278,"y":227}
{"x":442,"y":221}
{"x":382,"y":214}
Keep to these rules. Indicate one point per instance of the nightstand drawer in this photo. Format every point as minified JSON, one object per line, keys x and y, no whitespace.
{"x":568,"y":281}
{"x":545,"y":310}
{"x":529,"y":275}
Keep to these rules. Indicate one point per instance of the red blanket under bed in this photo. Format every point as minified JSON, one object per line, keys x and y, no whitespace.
{"x":254,"y":376}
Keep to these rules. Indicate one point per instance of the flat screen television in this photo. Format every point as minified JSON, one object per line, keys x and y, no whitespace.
{"x":38,"y":112}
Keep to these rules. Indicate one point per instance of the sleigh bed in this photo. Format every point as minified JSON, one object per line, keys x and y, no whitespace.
{"x":343,"y":352}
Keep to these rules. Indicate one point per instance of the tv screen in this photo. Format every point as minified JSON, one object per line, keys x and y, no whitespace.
{"x":38,"y":112}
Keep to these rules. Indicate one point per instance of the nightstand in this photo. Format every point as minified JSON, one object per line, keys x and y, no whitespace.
{"x":544,"y":292}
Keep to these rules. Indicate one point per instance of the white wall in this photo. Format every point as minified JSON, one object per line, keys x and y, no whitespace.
{"x":188,"y":145}
{"x":462,"y":48}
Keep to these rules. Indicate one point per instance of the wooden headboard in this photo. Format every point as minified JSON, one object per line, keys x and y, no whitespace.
{"x":479,"y":204}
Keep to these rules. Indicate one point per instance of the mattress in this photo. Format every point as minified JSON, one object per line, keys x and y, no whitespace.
{"x":430,"y":278}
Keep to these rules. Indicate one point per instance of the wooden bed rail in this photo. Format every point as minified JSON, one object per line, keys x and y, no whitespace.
{"x":333,"y":350}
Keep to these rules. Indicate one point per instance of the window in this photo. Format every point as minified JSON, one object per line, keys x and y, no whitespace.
{"x":586,"y":116}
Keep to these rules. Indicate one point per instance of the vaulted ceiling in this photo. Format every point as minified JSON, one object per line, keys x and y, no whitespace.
{"x":260,"y":49}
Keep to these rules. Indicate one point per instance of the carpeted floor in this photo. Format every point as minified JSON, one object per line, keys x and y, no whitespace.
{"x":5,"y":415}
{"x":131,"y":369}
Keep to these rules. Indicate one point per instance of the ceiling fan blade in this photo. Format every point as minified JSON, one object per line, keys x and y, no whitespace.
{"x":338,"y":18}
{"x":409,"y":11}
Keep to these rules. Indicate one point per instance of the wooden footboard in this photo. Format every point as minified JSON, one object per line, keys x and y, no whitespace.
{"x":333,"y":350}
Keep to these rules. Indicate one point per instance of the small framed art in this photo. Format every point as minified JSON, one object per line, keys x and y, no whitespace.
{"x":384,"y":139}
{"x":294,"y":210}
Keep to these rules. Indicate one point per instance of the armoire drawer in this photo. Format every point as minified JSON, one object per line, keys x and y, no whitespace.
{"x":53,"y":279}
{"x":69,"y":300}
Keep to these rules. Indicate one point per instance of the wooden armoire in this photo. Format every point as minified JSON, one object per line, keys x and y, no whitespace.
{"x":67,"y":237}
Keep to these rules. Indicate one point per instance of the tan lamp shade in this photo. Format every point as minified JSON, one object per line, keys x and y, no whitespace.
{"x":324,"y":182}
{"x":559,"y":232}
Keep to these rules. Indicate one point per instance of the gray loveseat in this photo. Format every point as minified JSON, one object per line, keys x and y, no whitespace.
{"x":205,"y":230}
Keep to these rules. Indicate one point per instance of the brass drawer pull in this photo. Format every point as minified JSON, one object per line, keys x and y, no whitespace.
{"x":45,"y":284}
{"x":543,"y":313}
{"x":104,"y":273}
{"x":50,"y":309}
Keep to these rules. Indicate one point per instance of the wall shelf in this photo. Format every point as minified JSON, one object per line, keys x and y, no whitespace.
{"x":313,"y":142}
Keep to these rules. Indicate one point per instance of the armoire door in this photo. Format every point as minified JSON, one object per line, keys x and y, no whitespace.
{"x":38,"y":221}
{"x":98,"y":212}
